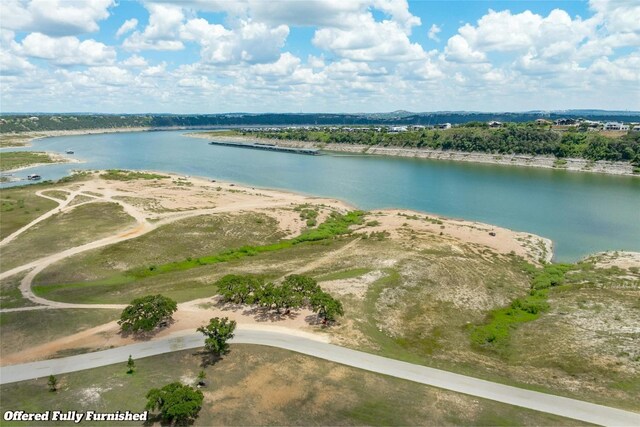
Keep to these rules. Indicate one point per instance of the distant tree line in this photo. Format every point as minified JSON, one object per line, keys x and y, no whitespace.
{"x":527,"y":139}
{"x":47,"y":122}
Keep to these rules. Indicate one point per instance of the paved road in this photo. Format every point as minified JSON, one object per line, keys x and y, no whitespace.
{"x":562,"y":406}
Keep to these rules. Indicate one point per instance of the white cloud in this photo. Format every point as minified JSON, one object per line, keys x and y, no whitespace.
{"x":11,"y":65}
{"x":619,"y":16}
{"x":247,"y":41}
{"x":504,"y":31}
{"x":162,"y":31}
{"x":135,"y":61}
{"x":458,"y":50}
{"x":366,"y":59}
{"x":433,"y":32}
{"x":626,"y":68}
{"x":127,"y":26}
{"x":54,"y":17}
{"x":284,"y":66}
{"x":67,"y":50}
{"x":155,"y":70}
{"x":370,"y":41}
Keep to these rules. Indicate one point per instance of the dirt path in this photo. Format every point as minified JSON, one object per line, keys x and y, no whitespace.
{"x":327,"y":259}
{"x":142,"y":227}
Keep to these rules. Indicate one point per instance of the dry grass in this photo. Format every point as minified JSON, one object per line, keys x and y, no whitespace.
{"x":256,"y":385}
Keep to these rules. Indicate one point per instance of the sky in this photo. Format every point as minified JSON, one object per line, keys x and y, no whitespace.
{"x":216,"y":56}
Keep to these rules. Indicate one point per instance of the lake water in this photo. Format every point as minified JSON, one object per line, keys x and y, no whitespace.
{"x":582,"y":213}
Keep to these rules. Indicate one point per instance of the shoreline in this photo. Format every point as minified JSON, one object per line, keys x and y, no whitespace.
{"x":477,"y":231}
{"x":29,"y":137}
{"x":519,"y":160}
{"x":56,"y":158}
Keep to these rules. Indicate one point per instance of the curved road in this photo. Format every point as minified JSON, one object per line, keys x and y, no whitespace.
{"x":562,"y":406}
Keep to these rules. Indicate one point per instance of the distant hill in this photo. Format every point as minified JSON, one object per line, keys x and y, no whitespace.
{"x":47,"y":122}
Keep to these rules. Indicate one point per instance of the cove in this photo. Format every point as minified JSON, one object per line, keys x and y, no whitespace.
{"x":582,"y":213}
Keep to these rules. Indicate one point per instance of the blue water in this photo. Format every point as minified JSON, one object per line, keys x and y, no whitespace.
{"x":582,"y":213}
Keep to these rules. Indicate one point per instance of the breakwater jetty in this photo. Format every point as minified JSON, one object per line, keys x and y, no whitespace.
{"x":268,"y":147}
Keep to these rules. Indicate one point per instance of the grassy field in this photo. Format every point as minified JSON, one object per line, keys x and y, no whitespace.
{"x":19,"y":206}
{"x":123,"y":175}
{"x":10,"y":295}
{"x":51,"y":283}
{"x":192,"y":237}
{"x":17,"y":140}
{"x":25,"y":329}
{"x":256,"y":385}
{"x":181,"y":285}
{"x":10,"y":160}
{"x":73,"y":228}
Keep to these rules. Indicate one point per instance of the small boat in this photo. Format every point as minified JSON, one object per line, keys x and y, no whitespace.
{"x":33,"y":177}
{"x":69,"y":151}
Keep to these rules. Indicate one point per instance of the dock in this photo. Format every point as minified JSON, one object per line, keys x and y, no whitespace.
{"x":269,"y":147}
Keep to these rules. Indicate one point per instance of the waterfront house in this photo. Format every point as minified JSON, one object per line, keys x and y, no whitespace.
{"x":616,"y":126}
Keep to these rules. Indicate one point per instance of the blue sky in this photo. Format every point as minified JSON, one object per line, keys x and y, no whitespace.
{"x":211,"y":56}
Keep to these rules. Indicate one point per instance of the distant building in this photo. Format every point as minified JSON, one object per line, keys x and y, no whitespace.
{"x":495,"y":124}
{"x":636,"y":128}
{"x":616,"y":126}
{"x":443,"y":126}
{"x":398,"y":129}
{"x":566,"y":122}
{"x":543,"y":122}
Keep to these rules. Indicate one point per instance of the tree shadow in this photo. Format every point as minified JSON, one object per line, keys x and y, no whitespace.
{"x":154,"y":419}
{"x":147,"y":335}
{"x":263,"y":314}
{"x":260,"y":314}
{"x":316,"y":320}
{"x":208,"y":358}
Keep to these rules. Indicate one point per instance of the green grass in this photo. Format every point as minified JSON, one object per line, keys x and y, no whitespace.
{"x":336,"y":225}
{"x":191,"y":237}
{"x":10,"y":295}
{"x":10,"y":160}
{"x":73,"y":228}
{"x":123,"y":175}
{"x":19,"y":206}
{"x":184,"y":285}
{"x":495,"y":334}
{"x":255,"y":385}
{"x":25,"y":329}
{"x":57,"y":194}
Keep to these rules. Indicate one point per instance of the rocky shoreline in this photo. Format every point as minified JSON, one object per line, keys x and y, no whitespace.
{"x":546,"y":162}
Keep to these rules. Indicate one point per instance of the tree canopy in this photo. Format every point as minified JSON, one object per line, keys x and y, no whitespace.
{"x":217,"y":333}
{"x":295,"y":291}
{"x":327,"y":307}
{"x":176,"y":402}
{"x":512,"y":138}
{"x":147,"y":313}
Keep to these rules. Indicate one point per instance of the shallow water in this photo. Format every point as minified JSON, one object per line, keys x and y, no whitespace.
{"x":582,"y":213}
